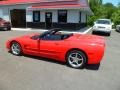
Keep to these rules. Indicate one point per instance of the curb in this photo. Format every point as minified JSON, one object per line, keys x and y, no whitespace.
{"x":42,"y":30}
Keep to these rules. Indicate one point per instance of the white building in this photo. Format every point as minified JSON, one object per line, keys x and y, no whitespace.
{"x":68,"y":14}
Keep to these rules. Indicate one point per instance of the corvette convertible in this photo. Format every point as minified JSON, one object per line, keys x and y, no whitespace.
{"x":76,"y":50}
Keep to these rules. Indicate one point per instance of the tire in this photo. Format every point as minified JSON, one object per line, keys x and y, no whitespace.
{"x":93,"y":32}
{"x":108,"y":34}
{"x":9,"y":28}
{"x":76,"y":59}
{"x":16,"y":49}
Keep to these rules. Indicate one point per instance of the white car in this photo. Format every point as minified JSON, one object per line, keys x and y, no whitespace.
{"x":118,"y":28}
{"x":103,"y":25}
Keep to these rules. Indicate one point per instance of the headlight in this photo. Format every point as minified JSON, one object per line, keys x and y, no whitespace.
{"x":108,"y":27}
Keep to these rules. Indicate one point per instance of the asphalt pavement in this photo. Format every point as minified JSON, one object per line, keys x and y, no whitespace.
{"x":35,"y":73}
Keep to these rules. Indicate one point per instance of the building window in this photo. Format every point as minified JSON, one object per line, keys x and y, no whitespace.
{"x":36,"y":16}
{"x":62,"y":16}
{"x":79,"y":17}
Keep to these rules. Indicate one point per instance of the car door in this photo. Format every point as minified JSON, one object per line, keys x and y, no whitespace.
{"x":50,"y":48}
{"x":31,"y":45}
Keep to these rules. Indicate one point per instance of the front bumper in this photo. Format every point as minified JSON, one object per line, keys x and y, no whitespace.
{"x":5,"y":28}
{"x":102,"y":30}
{"x":8,"y":45}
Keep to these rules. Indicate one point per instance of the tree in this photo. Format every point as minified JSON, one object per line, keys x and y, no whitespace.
{"x":108,"y":5}
{"x":119,"y":5}
{"x":107,"y":10}
{"x":110,"y":9}
{"x":116,"y":17}
{"x":94,"y":4}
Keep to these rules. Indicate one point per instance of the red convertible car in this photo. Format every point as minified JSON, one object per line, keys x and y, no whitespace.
{"x":75,"y":49}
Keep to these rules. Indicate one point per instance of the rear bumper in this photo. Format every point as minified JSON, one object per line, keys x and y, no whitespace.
{"x":96,"y":56}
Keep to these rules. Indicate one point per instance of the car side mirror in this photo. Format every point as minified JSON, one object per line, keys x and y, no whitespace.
{"x":36,"y":37}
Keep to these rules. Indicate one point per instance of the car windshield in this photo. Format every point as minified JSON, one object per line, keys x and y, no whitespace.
{"x":103,"y":22}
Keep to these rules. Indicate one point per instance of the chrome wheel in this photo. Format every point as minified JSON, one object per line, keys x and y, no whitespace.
{"x":76,"y":59}
{"x":15,"y":49}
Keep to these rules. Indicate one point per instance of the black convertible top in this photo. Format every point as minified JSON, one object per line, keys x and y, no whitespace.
{"x":51,"y":35}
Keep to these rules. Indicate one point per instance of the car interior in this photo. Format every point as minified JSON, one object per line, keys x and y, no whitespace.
{"x":56,"y":36}
{"x":52,"y":35}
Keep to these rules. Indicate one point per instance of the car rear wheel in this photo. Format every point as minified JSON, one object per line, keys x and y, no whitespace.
{"x":16,"y":49}
{"x":76,"y":59}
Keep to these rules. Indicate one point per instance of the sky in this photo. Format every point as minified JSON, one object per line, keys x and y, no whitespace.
{"x":115,"y":2}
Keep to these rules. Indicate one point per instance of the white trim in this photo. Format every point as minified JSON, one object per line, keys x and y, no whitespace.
{"x":87,"y":30}
{"x":84,"y":9}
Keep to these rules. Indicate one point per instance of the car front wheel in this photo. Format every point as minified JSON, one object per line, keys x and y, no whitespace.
{"x":9,"y":28}
{"x":76,"y":59}
{"x":16,"y":49}
{"x":109,"y":33}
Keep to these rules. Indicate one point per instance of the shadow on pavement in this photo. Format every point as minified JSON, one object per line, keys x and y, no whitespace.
{"x":93,"y":66}
{"x":101,"y":34}
{"x":89,"y":67}
{"x":45,"y":59}
{"x":5,"y":30}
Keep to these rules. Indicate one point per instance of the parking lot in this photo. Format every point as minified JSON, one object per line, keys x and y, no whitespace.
{"x":33,"y":73}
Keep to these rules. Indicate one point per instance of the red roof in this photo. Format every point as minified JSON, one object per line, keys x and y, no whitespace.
{"x":69,"y":6}
{"x":12,"y":2}
{"x":75,"y":4}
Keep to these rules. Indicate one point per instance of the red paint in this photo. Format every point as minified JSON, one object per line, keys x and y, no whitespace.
{"x":45,"y":3}
{"x":57,"y":6}
{"x":93,"y":46}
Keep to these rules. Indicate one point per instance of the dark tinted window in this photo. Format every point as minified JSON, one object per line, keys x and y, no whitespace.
{"x":62,"y":16}
{"x":36,"y":16}
{"x":79,"y":17}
